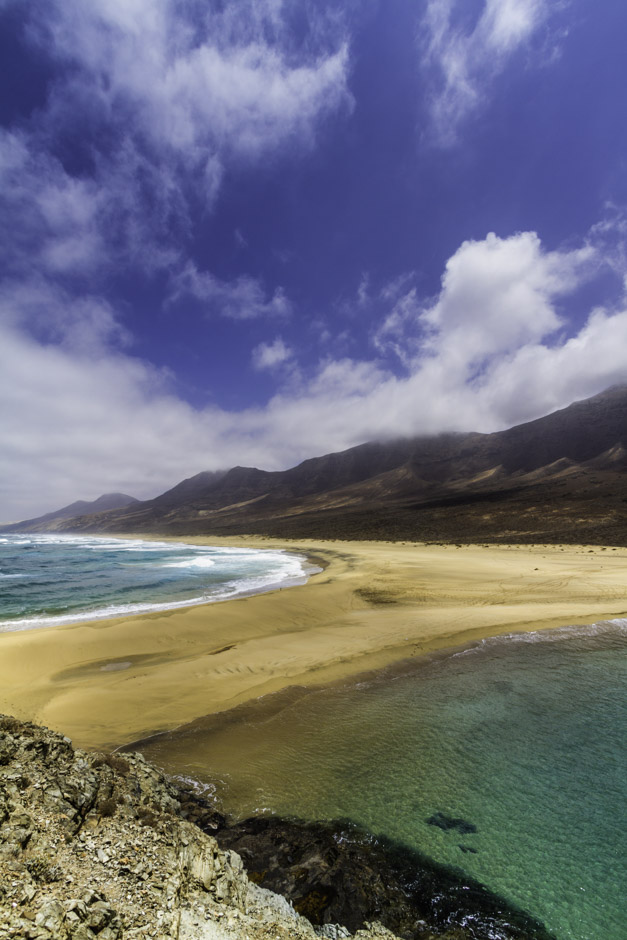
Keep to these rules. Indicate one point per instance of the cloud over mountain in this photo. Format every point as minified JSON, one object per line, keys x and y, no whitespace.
{"x":486,"y":353}
{"x":228,"y":238}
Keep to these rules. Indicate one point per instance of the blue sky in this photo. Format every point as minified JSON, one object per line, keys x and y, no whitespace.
{"x":253,"y":233}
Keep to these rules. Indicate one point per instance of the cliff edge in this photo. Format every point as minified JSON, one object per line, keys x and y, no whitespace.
{"x":94,"y":846}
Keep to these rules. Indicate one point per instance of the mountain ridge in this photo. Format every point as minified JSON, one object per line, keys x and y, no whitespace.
{"x":81,"y":507}
{"x":562,"y":476}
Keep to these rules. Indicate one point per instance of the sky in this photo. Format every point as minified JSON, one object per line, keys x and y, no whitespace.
{"x":252,"y":233}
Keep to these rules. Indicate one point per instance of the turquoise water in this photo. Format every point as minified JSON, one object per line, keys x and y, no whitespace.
{"x":52,"y":579}
{"x":523,"y":737}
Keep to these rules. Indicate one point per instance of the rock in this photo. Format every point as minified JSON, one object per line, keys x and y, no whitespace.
{"x":332,"y":932}
{"x":442,"y":821}
{"x":83,"y":932}
{"x":333,"y":873}
{"x":374,"y":932}
{"x":95,"y":846}
{"x":51,"y":916}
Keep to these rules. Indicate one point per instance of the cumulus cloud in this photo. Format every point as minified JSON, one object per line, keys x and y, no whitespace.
{"x":538,"y":378}
{"x":490,"y":350}
{"x":55,"y":217}
{"x":398,"y":332}
{"x":363,"y":296}
{"x":271,"y":355}
{"x":610,"y":237}
{"x":460,"y":63}
{"x":499,"y":294}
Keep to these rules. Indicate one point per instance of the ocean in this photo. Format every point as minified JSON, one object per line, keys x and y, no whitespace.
{"x":519,"y":738}
{"x":54,"y":579}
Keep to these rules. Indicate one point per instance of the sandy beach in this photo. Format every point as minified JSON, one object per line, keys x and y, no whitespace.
{"x":106,"y":683}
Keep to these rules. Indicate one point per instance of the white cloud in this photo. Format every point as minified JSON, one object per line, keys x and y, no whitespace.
{"x":363,"y":295}
{"x":241,"y":299}
{"x":55,"y":217}
{"x":196,"y":80}
{"x":131,"y":212}
{"x":461,"y":64}
{"x":239,"y":239}
{"x":499,"y":294}
{"x":271,"y":355}
{"x":610,"y":237}
{"x":82,"y":416}
{"x":395,"y":288}
{"x":538,"y":378}
{"x":152,"y":102}
{"x":399,"y":331}
{"x":84,"y":324}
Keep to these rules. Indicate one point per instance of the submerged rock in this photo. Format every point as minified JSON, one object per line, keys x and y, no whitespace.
{"x":445,"y":822}
{"x":335,"y":873}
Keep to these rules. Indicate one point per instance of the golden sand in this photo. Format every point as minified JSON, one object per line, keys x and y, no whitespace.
{"x":109,"y":682}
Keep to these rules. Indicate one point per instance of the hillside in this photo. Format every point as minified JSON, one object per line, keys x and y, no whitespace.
{"x":562,"y":478}
{"x":54,"y":520}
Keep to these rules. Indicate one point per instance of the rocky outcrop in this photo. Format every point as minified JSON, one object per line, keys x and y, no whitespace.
{"x":334,"y":872}
{"x":96,"y":846}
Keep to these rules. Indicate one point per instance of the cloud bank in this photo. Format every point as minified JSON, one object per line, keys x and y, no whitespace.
{"x":84,"y":416}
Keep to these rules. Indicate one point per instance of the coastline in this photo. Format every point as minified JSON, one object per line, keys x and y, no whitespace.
{"x":109,"y":682}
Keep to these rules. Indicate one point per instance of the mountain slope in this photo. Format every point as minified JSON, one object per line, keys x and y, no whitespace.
{"x":558,"y":478}
{"x":52,"y":520}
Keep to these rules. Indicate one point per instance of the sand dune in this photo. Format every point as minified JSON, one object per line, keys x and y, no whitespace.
{"x":109,"y":682}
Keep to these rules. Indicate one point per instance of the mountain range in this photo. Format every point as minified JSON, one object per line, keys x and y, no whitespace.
{"x":560,"y":478}
{"x":52,"y":521}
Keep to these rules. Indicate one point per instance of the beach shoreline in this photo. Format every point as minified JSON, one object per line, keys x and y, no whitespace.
{"x":109,"y":682}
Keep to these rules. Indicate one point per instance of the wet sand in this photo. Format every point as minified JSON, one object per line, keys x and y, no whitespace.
{"x":108,"y":682}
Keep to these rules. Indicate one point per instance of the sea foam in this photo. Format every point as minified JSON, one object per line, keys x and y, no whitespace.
{"x":78,"y":578}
